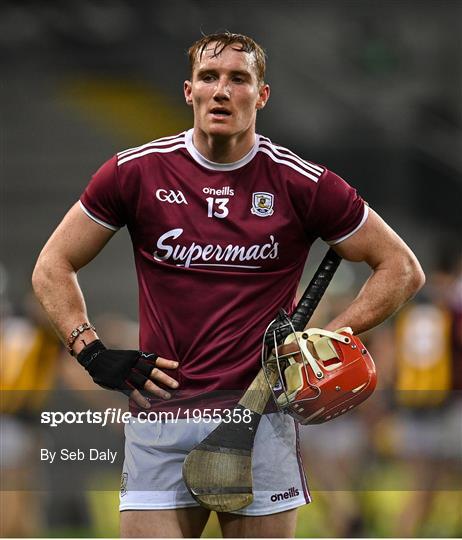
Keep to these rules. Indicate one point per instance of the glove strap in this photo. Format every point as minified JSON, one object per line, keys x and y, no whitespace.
{"x":90,"y":352}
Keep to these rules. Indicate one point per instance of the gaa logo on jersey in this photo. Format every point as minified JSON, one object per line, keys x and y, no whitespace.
{"x":262,"y":204}
{"x":171,"y":196}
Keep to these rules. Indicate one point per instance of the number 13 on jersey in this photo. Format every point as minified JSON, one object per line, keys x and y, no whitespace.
{"x":217,"y":207}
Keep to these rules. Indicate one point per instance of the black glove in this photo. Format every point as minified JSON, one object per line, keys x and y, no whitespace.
{"x":124,"y":371}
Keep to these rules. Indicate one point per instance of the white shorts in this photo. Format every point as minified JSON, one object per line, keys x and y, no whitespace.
{"x":155,"y":452}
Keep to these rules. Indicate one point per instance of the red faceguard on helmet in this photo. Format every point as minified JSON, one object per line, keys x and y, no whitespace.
{"x":317,"y":388}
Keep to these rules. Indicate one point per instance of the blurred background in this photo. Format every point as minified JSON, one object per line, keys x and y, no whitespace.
{"x":372,"y":89}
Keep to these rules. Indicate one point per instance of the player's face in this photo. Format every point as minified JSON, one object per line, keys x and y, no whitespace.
{"x":225,"y":92}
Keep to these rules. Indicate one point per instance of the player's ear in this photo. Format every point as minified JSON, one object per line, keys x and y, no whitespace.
{"x":187,"y":88}
{"x":264,"y":94}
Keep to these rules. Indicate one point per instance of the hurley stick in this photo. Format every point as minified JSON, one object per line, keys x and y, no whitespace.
{"x":218,"y":471}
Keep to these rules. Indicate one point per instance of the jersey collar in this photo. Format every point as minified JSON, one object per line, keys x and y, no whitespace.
{"x":219,"y":166}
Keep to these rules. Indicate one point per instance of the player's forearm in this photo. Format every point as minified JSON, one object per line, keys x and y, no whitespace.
{"x":387,"y":289}
{"x":56,"y":287}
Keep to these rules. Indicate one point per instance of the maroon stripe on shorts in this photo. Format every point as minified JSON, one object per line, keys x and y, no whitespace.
{"x":301,"y":469}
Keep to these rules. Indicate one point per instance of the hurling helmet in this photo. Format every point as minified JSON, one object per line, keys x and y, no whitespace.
{"x":315,"y":388}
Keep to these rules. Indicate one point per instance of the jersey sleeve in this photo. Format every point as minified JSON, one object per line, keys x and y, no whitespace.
{"x":102,"y":198}
{"x":337,"y":211}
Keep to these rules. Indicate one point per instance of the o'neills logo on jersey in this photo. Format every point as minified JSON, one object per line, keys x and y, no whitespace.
{"x":230,"y":256}
{"x":292,"y":492}
{"x":222,"y":191}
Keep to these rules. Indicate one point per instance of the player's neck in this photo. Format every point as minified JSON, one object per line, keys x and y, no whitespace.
{"x":221,"y":149}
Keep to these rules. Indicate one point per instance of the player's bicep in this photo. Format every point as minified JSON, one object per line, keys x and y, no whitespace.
{"x":374,"y":243}
{"x":76,"y":240}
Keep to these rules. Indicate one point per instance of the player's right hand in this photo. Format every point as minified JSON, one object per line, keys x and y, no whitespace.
{"x":127,"y":371}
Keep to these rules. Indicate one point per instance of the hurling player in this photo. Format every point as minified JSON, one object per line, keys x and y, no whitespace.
{"x":221,"y":220}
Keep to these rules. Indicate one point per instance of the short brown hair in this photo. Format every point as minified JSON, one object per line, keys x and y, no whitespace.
{"x":223,"y":40}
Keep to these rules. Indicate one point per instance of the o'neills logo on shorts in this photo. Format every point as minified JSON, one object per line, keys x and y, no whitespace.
{"x":293,"y":492}
{"x":230,"y":256}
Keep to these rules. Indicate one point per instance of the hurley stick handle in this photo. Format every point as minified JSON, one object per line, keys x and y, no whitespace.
{"x":315,"y":290}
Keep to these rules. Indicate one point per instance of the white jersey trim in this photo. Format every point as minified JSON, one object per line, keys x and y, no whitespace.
{"x":151,"y":150}
{"x":99,"y":221}
{"x":290,"y":164}
{"x":199,"y":158}
{"x":361,"y":223}
{"x":157,"y":142}
{"x":287,"y":154}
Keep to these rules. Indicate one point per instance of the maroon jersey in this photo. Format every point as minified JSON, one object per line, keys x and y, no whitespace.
{"x":219,"y":248}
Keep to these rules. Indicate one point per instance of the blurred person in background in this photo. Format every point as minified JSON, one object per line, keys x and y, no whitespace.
{"x":33,"y":376}
{"x":30,"y":351}
{"x":428,"y":430}
{"x":418,"y":435}
{"x":221,"y":221}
